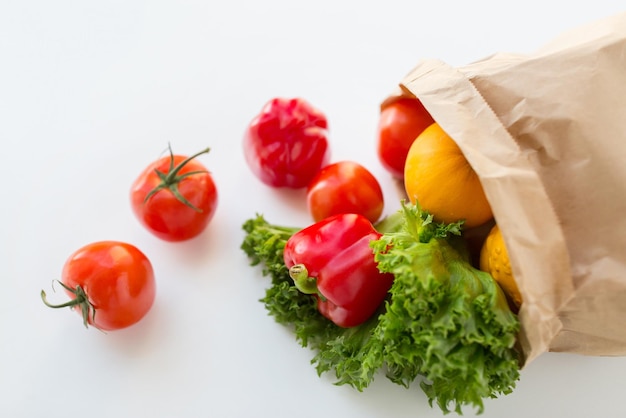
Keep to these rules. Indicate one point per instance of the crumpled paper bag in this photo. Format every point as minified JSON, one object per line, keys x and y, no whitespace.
{"x":546,"y":133}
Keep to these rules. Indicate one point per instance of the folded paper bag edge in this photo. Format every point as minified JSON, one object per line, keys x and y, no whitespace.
{"x":463,"y":113}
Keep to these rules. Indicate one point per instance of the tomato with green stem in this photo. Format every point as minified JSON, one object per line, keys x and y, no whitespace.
{"x":175,"y":197}
{"x":111,"y":285}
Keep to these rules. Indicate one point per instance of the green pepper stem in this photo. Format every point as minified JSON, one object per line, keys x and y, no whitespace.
{"x":300,"y":276}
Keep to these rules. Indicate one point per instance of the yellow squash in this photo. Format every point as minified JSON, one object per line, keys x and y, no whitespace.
{"x":494,"y":259}
{"x":438,"y":176}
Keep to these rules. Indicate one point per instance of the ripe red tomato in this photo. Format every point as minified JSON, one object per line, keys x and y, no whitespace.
{"x":345,"y":187}
{"x":401,"y":121}
{"x":175,"y":197}
{"x":286,"y":144}
{"x":111,"y":284}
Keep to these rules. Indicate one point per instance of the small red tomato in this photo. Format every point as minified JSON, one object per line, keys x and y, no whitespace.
{"x":286,"y":144}
{"x":175,"y":197}
{"x":401,"y":121}
{"x":345,"y":187}
{"x":111,"y":284}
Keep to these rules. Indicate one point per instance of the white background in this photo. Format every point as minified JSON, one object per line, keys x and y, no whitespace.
{"x":92,"y":91}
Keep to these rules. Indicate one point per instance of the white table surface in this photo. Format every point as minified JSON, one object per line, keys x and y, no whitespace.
{"x":92,"y":91}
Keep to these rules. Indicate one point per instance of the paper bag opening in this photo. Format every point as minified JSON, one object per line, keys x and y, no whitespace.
{"x":546,"y":134}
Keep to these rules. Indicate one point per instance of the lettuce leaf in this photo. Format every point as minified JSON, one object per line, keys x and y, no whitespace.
{"x":445,"y":324}
{"x":446,"y":321}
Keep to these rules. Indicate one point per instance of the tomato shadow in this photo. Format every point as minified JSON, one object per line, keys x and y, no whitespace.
{"x":291,"y":198}
{"x":196,"y":251}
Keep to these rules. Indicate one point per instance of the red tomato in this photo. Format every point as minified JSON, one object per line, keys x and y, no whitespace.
{"x":175,"y":197}
{"x":345,"y":187}
{"x":111,"y":284}
{"x":401,"y":121}
{"x":286,"y":144}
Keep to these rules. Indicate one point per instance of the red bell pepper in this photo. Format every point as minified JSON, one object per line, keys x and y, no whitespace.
{"x":333,"y":261}
{"x":286,"y":144}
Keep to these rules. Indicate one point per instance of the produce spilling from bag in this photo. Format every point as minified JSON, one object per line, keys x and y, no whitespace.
{"x":509,"y":240}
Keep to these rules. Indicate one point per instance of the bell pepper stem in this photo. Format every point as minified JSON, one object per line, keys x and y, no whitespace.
{"x":305,"y":284}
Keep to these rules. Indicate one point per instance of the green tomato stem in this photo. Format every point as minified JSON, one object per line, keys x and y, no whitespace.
{"x":171,"y":179}
{"x":80,"y":299}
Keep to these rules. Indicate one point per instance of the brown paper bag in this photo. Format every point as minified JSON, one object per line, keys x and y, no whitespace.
{"x":546,"y":134}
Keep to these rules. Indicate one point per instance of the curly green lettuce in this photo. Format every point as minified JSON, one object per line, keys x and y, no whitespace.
{"x":445,"y":324}
{"x":446,"y":320}
{"x":264,"y":244}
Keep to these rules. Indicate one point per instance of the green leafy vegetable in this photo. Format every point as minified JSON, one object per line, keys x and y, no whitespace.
{"x":264,"y":244}
{"x":445,"y":324}
{"x":446,"y":321}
